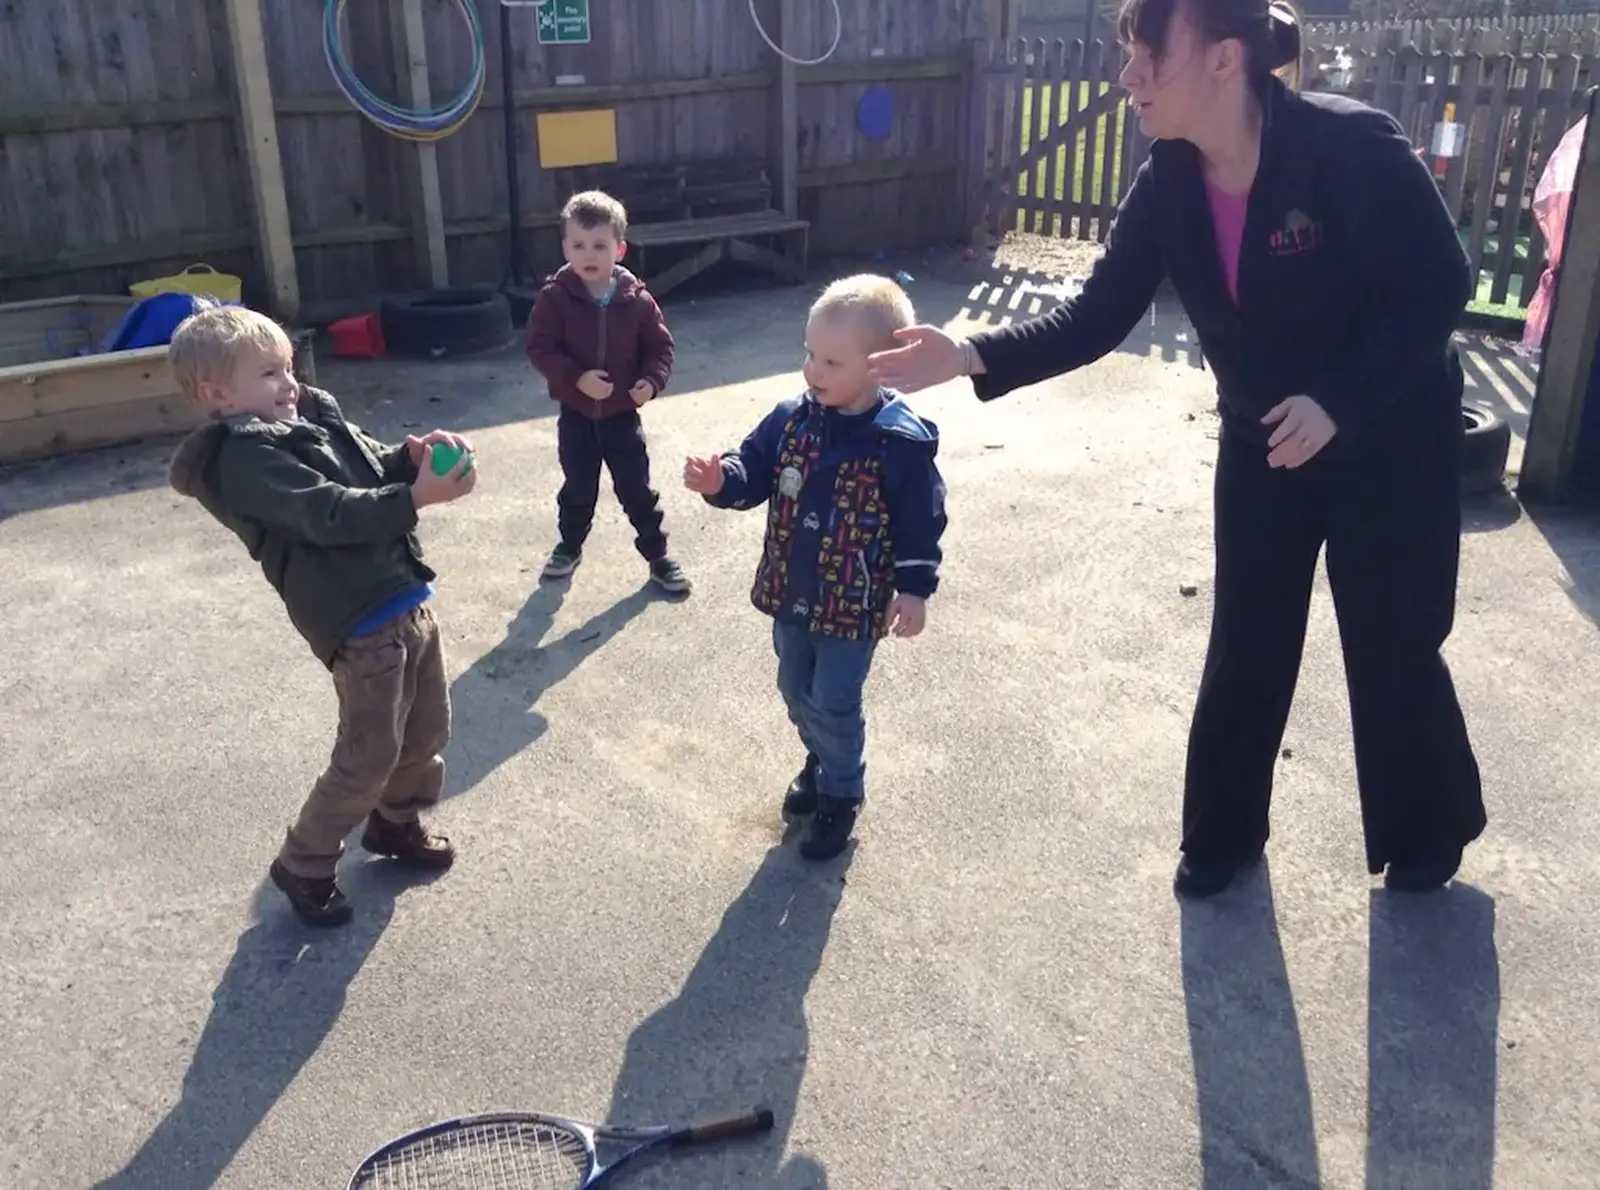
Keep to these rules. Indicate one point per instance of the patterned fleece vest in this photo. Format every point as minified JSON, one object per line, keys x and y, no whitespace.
{"x":853,"y":572}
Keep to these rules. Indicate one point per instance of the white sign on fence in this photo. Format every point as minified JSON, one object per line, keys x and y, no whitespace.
{"x":1449,"y":139}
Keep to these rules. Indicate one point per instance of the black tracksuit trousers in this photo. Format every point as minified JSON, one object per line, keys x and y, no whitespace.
{"x":1391,"y":520}
{"x":584,"y":444}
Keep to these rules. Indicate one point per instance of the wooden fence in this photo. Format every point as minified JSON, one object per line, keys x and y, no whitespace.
{"x":1062,"y":151}
{"x":122,"y":155}
{"x":1061,"y":147}
{"x":1515,"y":35}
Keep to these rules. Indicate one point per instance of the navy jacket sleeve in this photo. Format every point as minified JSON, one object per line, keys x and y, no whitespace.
{"x":1410,"y":264}
{"x":915,"y":492}
{"x":1095,"y":321}
{"x":747,"y":477}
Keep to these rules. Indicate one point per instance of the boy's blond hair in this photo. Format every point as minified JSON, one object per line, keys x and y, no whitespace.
{"x":207,"y":345}
{"x":876,"y":303}
{"x":595,"y":208}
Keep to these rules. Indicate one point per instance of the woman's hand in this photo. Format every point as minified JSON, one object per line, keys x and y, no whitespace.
{"x":929,"y":357}
{"x":1304,"y":428}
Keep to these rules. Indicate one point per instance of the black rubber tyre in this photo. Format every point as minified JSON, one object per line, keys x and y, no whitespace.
{"x":1488,"y":444}
{"x":446,"y":322}
{"x":521,"y":298}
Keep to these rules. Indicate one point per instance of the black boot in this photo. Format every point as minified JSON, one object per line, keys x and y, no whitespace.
{"x":1196,"y":880}
{"x":1423,"y":875}
{"x":801,"y":797}
{"x":830,"y":829}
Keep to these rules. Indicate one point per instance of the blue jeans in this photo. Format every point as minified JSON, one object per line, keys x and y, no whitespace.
{"x":821,"y":679}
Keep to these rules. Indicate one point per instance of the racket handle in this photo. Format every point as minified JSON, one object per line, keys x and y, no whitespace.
{"x":725,"y":1127}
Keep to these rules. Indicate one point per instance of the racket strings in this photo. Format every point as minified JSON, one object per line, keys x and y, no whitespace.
{"x":498,"y":1155}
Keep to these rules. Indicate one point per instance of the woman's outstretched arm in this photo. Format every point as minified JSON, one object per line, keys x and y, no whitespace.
{"x":1096,"y":321}
{"x":1092,"y":323}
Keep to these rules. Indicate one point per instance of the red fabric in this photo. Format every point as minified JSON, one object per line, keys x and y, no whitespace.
{"x":1552,"y":199}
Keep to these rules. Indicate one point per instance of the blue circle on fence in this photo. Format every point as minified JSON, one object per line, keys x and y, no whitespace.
{"x":875,"y":112}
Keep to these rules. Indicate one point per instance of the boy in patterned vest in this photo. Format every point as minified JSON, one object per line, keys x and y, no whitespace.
{"x":855,"y":511}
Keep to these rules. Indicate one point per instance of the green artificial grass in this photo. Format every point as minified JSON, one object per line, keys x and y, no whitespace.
{"x":1480,"y":304}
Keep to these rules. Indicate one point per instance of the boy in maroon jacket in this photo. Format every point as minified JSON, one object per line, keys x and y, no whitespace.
{"x":602,"y":345}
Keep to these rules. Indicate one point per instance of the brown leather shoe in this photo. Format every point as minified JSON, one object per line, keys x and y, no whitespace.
{"x":316,"y":900}
{"x":408,"y":843}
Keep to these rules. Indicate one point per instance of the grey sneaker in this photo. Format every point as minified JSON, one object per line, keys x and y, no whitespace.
{"x":669,"y":576}
{"x":563,"y":561}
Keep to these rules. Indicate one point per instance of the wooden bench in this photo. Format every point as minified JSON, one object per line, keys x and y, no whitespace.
{"x":723,"y":203}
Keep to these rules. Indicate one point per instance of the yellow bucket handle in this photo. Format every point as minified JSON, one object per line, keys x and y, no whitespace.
{"x":198,"y":268}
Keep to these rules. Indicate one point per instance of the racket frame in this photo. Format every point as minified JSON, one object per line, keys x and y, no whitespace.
{"x":644,"y":1140}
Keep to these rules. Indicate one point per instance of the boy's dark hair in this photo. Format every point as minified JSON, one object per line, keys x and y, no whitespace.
{"x":1269,"y":30}
{"x":596,"y":208}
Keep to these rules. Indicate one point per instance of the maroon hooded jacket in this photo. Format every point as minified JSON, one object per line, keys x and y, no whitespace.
{"x":569,"y":333}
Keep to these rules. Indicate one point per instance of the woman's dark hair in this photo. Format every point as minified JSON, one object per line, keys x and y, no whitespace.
{"x":1269,"y":29}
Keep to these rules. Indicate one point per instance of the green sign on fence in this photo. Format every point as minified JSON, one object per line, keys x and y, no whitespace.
{"x":564,"y":22}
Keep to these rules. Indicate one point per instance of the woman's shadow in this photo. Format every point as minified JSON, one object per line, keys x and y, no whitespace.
{"x":1252,"y":1092}
{"x":1433,"y":1008}
{"x":735,"y":1037}
{"x":1433,"y":1018}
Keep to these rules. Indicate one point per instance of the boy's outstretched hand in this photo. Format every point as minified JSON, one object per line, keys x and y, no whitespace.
{"x":908,"y":615}
{"x":703,"y":475}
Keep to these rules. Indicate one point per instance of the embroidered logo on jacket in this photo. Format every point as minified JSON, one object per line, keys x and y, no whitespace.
{"x":1301,"y":233}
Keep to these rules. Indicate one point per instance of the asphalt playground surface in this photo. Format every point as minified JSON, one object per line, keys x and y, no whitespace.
{"x":994,"y":988}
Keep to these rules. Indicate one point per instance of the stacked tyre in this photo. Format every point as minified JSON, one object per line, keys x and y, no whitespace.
{"x":1488,"y":445}
{"x":446,"y":322}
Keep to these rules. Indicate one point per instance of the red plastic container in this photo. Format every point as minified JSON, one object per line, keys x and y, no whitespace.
{"x":360,"y":337}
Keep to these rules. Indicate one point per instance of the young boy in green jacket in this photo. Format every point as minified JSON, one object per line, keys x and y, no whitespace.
{"x":330,"y":515}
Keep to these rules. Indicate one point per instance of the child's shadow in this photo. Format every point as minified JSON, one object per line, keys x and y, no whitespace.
{"x":736,"y":1036}
{"x":495,"y":702}
{"x":283,"y":991}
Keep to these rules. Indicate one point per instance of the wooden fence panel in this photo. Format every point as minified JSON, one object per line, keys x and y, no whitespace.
{"x":1472,"y":73}
{"x":1049,"y":107}
{"x":1077,"y":161}
{"x":1062,"y":169}
{"x":861,"y":195}
{"x":119,"y":151}
{"x":70,"y":184}
{"x":1107,"y":175}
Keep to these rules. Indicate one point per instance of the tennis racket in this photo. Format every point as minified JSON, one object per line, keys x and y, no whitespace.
{"x":527,"y":1151}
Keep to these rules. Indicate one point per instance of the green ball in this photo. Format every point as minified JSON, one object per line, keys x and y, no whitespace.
{"x":446,"y":457}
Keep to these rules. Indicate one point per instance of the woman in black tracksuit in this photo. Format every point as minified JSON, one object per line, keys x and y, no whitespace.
{"x":1320,"y":267}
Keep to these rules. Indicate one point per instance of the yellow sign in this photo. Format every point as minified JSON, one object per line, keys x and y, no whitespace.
{"x":577,"y":138}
